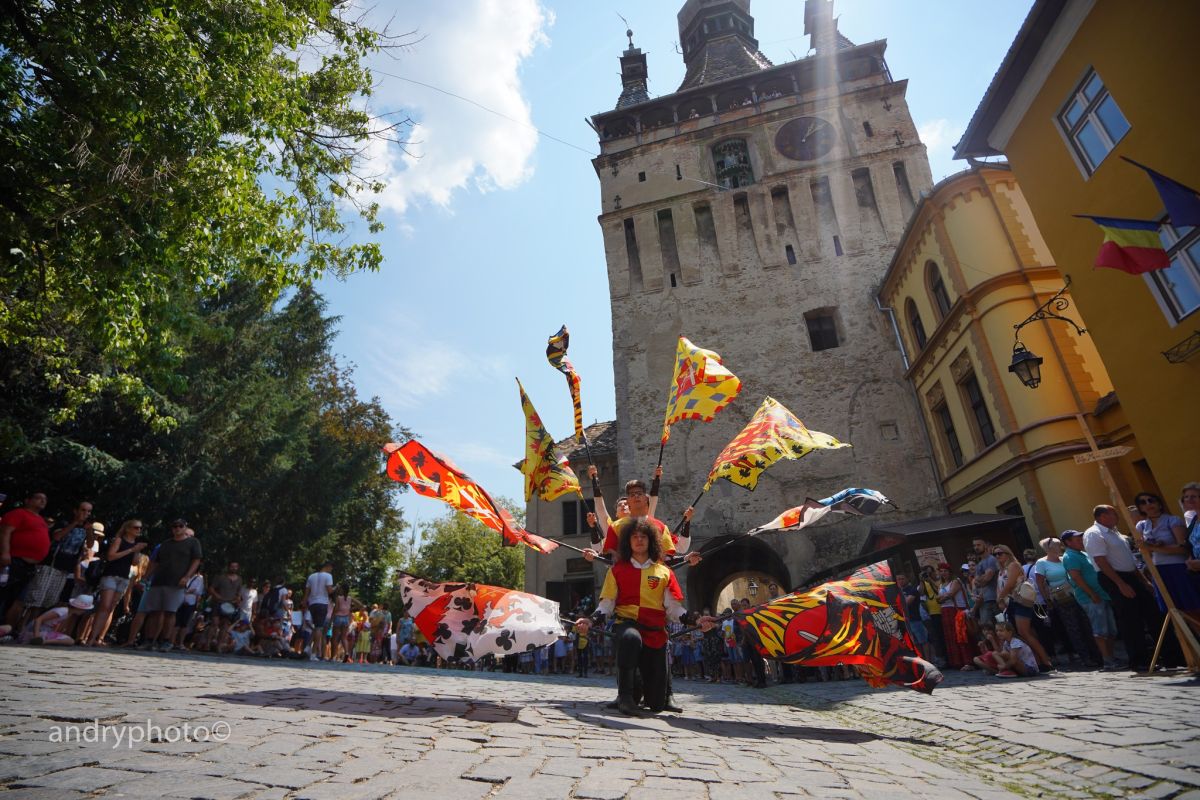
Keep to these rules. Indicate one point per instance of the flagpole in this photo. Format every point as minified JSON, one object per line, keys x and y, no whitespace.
{"x":603,"y":558}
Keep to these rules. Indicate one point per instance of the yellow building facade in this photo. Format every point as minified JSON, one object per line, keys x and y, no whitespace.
{"x":1084,"y":83}
{"x":970,"y":266}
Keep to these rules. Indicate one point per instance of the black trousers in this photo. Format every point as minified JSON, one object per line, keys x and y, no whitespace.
{"x":757,"y":662}
{"x":635,"y":659}
{"x":20,"y":573}
{"x":1137,"y":618}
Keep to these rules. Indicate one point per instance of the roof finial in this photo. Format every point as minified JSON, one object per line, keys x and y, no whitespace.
{"x":628,"y":29}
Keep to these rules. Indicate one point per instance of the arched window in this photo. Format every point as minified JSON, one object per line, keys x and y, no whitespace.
{"x":732,"y":161}
{"x":914,"y":323}
{"x":937,"y":290}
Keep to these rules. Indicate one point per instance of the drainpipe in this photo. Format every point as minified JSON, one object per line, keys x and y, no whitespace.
{"x":891,"y":313}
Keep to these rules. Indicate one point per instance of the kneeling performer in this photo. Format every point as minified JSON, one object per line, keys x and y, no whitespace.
{"x":640,"y":593}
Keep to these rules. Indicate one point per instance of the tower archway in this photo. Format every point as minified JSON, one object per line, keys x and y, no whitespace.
{"x":732,"y":569}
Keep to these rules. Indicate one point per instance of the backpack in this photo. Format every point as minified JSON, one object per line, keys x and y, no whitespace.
{"x":66,"y":550}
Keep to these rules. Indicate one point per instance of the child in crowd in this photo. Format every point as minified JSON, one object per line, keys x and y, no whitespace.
{"x":363,"y":645}
{"x":239,"y":639}
{"x":1015,"y":657}
{"x":583,"y":627}
{"x":48,"y":628}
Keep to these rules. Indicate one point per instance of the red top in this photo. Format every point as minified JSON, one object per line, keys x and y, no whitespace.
{"x":612,"y":538}
{"x":30,"y":536}
{"x":640,"y":595}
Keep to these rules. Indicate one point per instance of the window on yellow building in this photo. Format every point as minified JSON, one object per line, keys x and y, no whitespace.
{"x":1092,"y":122}
{"x":915,"y":324}
{"x":979,"y":411}
{"x":937,"y":290}
{"x":1178,"y":286}
{"x":949,"y":435}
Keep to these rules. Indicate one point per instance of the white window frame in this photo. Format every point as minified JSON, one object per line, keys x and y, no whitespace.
{"x":1176,"y":246}
{"x":1070,"y":131}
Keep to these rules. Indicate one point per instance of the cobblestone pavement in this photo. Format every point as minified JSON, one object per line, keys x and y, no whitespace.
{"x":320,"y":731}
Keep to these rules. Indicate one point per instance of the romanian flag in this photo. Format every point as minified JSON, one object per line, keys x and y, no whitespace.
{"x":857,"y":621}
{"x":556,"y":354}
{"x":772,"y":434}
{"x":702,"y":386}
{"x":1182,"y":202}
{"x":549,"y":477}
{"x":432,"y":475}
{"x":1130,"y":245}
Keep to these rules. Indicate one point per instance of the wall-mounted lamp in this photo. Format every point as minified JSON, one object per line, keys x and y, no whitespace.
{"x":752,"y":587}
{"x":1025,"y":364}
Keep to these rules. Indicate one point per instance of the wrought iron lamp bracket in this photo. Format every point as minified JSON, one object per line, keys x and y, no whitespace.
{"x":1046,"y":311}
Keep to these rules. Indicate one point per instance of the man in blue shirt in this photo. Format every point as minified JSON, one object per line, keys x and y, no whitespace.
{"x":1090,"y":595}
{"x":985,"y":582}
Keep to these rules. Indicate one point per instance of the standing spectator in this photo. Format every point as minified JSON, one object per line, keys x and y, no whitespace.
{"x":1091,"y":595}
{"x":1052,"y":579}
{"x":247,"y":600}
{"x":1132,"y":599}
{"x":952,"y":598}
{"x":583,"y":627}
{"x":66,"y":546}
{"x":191,"y":599}
{"x":24,"y":542}
{"x":1167,"y":539}
{"x":933,"y":615}
{"x":912,"y":611}
{"x":316,"y":600}
{"x":115,"y":575}
{"x":986,"y":573}
{"x":175,"y":562}
{"x":1189,"y":499}
{"x":1018,"y":610}
{"x":224,"y":593}
{"x":341,"y":624}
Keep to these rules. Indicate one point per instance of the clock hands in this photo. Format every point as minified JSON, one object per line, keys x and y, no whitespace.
{"x":812,"y":127}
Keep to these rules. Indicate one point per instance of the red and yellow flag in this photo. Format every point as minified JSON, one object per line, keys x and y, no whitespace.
{"x":549,"y":477}
{"x":556,"y":354}
{"x":702,"y":386}
{"x":858,"y":621}
{"x":772,"y":434}
{"x":432,"y":475}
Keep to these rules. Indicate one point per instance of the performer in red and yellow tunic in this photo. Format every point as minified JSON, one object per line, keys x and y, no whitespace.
{"x":641,"y":593}
{"x":639,"y":505}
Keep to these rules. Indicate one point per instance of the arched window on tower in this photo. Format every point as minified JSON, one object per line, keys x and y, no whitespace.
{"x":937,"y":290}
{"x":914,"y":323}
{"x":731,"y":158}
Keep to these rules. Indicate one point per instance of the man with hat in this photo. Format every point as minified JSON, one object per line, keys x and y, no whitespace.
{"x":1095,"y":602}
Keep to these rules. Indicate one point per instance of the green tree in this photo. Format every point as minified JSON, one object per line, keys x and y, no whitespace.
{"x":156,"y":153}
{"x":457,"y":548}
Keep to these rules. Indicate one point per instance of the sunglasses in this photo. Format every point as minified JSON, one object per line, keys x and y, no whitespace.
{"x":1145,"y":501}
{"x":1000,"y":554}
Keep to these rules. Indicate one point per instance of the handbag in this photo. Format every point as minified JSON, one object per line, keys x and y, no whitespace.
{"x":1025,"y":594}
{"x":1063,"y":593}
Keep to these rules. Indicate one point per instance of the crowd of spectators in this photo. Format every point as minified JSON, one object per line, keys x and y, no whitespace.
{"x":1084,"y":601}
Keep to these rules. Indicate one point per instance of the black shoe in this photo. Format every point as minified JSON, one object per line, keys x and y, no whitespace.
{"x":613,"y":706}
{"x":672,"y":707}
{"x":628,"y":707}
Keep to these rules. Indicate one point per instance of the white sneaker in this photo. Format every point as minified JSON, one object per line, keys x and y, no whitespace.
{"x":313,"y":658}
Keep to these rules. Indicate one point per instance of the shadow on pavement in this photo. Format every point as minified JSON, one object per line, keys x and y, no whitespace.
{"x":372,"y":705}
{"x":738,"y":730}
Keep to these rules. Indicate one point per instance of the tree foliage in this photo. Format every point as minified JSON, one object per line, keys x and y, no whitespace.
{"x":457,"y":548}
{"x":274,"y":461}
{"x":157,"y":153}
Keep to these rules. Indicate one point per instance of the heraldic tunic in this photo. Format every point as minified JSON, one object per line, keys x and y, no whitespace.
{"x":640,"y":596}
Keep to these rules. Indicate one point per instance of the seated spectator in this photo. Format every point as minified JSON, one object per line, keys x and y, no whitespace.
{"x":409,"y":654}
{"x":988,"y":645}
{"x":1015,"y":657}
{"x":240,"y":636}
{"x":49,"y":627}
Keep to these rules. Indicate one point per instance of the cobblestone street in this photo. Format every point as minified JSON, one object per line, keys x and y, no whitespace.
{"x":318,"y":731}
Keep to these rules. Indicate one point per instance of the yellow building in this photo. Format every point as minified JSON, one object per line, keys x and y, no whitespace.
{"x":969,"y":267}
{"x":1085,"y":82}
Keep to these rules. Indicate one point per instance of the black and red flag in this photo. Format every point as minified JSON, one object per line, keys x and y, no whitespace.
{"x":858,"y":621}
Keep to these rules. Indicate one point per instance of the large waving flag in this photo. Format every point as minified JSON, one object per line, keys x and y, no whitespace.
{"x":773,"y":433}
{"x":702,"y":386}
{"x":857,"y":621}
{"x":859,"y":502}
{"x":556,"y":354}
{"x":1130,"y":245}
{"x":433,"y":475}
{"x":472,"y":620}
{"x":549,"y":477}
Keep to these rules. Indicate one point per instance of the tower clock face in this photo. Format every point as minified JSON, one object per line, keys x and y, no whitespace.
{"x":805,"y":138}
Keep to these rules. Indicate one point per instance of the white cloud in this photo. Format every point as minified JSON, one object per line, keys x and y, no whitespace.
{"x":413,"y":369}
{"x":939,"y":137}
{"x":474,"y":49}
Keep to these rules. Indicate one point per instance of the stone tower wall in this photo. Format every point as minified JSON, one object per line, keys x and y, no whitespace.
{"x":685,"y":258}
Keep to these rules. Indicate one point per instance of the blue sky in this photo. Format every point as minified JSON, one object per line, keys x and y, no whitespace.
{"x":492,"y":241}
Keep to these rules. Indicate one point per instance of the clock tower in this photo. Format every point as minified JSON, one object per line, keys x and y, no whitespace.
{"x":755,"y":210}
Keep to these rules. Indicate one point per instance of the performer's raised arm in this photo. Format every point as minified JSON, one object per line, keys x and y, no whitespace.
{"x":598,"y":497}
{"x":654,"y":486}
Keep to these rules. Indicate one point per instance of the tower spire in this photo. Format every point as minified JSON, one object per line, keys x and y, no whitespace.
{"x":633,"y":73}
